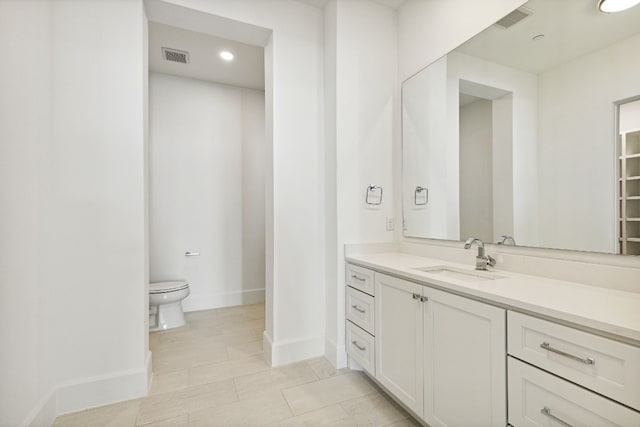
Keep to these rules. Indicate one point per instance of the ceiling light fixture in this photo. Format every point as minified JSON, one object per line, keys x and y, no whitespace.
{"x":612,"y":6}
{"x":228,"y":56}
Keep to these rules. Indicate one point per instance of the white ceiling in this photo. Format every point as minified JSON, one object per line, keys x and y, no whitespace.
{"x":246,"y":70}
{"x":394,"y":4}
{"x":182,"y":17}
{"x":572,"y":28}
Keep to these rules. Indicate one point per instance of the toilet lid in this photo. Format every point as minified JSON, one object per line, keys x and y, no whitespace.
{"x":160,"y":287}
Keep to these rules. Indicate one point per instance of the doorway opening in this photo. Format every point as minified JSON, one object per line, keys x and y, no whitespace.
{"x":208,"y":157}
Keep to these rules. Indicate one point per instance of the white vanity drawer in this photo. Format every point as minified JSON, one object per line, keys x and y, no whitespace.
{"x":606,"y":366}
{"x":360,"y":278}
{"x":360,"y":309}
{"x":537,"y":398}
{"x":361,"y":346}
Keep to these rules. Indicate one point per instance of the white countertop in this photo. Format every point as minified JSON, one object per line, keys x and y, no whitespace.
{"x":607,"y":310}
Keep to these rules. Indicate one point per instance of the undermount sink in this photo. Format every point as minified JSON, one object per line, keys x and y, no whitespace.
{"x":458,"y":274}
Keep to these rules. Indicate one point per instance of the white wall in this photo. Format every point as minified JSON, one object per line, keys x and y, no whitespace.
{"x":630,"y":116}
{"x":334,"y":350}
{"x":295,"y":146}
{"x":94,"y":227}
{"x":253,"y":201}
{"x":207,"y":196}
{"x":577,"y":146}
{"x":365,"y":114}
{"x":75,"y":133}
{"x":476,"y":170}
{"x":25,"y":121}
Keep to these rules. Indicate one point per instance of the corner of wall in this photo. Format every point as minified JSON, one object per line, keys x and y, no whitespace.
{"x":149,"y":365}
{"x":336,"y":354}
{"x":102,"y":390}
{"x":267,"y":345}
{"x":44,"y":413}
{"x":294,"y":350}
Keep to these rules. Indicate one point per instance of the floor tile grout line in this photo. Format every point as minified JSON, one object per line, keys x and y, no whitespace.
{"x":293,"y":414}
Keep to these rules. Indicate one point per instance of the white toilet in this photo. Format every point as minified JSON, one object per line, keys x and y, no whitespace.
{"x":165,"y":305}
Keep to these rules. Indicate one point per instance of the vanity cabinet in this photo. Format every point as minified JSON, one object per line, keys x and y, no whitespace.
{"x":360,"y":278}
{"x":559,"y":360}
{"x":440,"y":354}
{"x":464,"y":361}
{"x":457,"y":361}
{"x":539,"y":399}
{"x":360,"y":310}
{"x":605,"y":366}
{"x":399,"y":340}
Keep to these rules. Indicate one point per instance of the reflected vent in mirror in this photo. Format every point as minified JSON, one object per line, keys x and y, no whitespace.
{"x":175,"y":55}
{"x":513,"y":18}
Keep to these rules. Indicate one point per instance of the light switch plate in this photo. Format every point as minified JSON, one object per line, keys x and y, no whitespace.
{"x":389,"y":223}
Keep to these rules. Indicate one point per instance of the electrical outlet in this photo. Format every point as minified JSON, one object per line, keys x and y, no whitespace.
{"x":389,"y":223}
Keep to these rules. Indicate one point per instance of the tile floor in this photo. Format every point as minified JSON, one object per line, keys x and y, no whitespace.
{"x":212,"y":373}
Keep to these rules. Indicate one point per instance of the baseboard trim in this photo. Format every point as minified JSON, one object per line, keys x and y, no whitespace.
{"x":295,"y":350}
{"x":267,"y":347}
{"x":44,"y":413}
{"x":336,"y":354}
{"x":149,"y":365}
{"x":102,"y":390}
{"x":227,"y":299}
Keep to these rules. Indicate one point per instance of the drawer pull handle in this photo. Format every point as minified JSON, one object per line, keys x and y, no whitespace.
{"x":358,"y":309}
{"x":353,"y":276}
{"x":587,"y":361}
{"x":547,"y":412}
{"x":358,"y":346}
{"x":416,"y":296}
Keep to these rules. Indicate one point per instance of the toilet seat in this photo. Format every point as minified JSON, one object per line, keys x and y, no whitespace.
{"x":163,"y":287}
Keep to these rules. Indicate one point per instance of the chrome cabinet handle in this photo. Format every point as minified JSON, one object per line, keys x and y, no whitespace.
{"x":420,"y":297}
{"x":353,"y":276}
{"x":547,"y":412}
{"x":191,"y":253}
{"x":358,"y":309}
{"x":356,"y":345}
{"x":587,"y":361}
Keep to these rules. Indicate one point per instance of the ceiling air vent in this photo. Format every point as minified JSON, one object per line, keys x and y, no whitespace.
{"x":513,"y":18}
{"x":175,"y":55}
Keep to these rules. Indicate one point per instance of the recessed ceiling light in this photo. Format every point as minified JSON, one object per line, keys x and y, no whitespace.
{"x":228,"y":56}
{"x":612,"y":6}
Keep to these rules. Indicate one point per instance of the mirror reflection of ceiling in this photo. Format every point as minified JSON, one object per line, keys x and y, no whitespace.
{"x":394,"y":4}
{"x":570,"y":28}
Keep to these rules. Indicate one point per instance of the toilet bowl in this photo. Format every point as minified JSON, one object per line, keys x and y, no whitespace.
{"x":165,"y":305}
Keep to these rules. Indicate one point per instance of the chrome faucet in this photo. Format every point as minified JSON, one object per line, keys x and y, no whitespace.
{"x":505,"y":238}
{"x":482,"y":260}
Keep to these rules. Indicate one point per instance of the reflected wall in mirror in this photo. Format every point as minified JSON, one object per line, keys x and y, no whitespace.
{"x":530,"y":130}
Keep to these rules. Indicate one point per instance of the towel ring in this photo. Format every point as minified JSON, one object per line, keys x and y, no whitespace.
{"x":372,"y":191}
{"x":418,"y":191}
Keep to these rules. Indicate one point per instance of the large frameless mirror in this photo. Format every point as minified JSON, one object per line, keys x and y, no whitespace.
{"x":530,"y":130}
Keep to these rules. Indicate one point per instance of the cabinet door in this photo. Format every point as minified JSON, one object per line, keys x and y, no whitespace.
{"x":465,"y":362}
{"x":399,"y":346}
